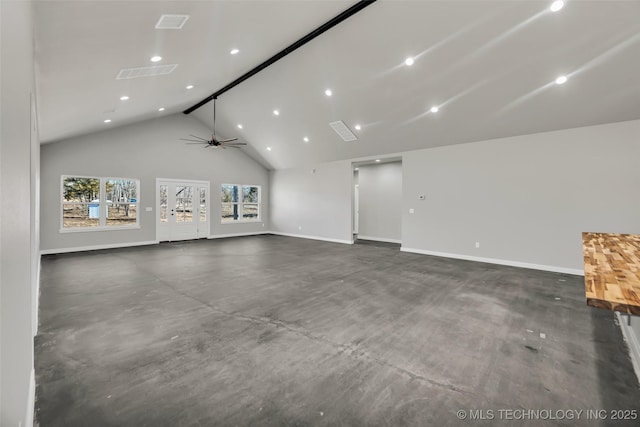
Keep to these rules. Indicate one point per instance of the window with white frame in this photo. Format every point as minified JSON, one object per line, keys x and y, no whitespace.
{"x":97,"y":203}
{"x":240,"y":203}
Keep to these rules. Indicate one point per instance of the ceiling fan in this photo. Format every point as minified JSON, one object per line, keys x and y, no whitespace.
{"x":215,"y":140}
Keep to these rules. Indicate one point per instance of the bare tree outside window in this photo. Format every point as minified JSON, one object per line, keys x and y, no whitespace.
{"x":240,"y":203}
{"x":93,"y":202}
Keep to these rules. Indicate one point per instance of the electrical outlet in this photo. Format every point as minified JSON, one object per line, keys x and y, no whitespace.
{"x":477,"y":245}
{"x":148,"y":209}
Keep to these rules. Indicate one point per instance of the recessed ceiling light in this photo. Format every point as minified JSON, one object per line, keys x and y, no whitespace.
{"x":239,"y":126}
{"x":161,"y":109}
{"x":561,"y":80}
{"x":189,"y":87}
{"x":328,"y":92}
{"x":434,"y":109}
{"x":377,"y":160}
{"x":268,"y":148}
{"x":107,"y":121}
{"x":276,"y":112}
{"x":156,"y":58}
{"x":124,"y":98}
{"x":556,"y":6}
{"x":305,"y":139}
{"x":408,"y":61}
{"x":234,"y":51}
{"x":358,"y":127}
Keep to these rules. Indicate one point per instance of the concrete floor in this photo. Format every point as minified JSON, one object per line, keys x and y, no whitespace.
{"x":277,"y":331}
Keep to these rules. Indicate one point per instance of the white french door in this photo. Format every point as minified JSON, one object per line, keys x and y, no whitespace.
{"x":183,"y":209}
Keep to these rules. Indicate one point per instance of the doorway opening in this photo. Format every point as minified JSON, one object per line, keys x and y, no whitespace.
{"x":377,"y":201}
{"x":183,"y":211}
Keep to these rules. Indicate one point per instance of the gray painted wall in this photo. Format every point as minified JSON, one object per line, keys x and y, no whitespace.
{"x":145,"y":151}
{"x":527,"y":198}
{"x":313,"y":202}
{"x":380,"y":213}
{"x":17,"y":240}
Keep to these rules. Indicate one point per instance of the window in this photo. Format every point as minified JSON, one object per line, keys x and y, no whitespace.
{"x":184,"y":203}
{"x":78,"y":207}
{"x":240,"y":203}
{"x":92,"y":203}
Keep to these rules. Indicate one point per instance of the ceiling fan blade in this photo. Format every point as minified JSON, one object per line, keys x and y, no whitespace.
{"x":235,"y":143}
{"x":232,"y":146}
{"x":226,"y":140}
{"x":193,"y":141}
{"x":199,"y":137}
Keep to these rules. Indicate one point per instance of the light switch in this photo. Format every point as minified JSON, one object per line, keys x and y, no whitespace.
{"x":412,"y":210}
{"x":148,"y":209}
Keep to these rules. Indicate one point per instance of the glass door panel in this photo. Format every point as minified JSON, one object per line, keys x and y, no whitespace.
{"x":182,"y":210}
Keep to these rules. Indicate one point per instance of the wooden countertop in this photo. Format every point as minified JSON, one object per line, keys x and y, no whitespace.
{"x":612,"y":271}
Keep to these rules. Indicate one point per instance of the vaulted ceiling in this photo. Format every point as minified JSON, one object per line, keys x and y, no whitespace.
{"x":488,"y":66}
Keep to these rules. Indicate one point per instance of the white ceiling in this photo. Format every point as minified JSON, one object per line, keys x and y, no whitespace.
{"x":488,"y":65}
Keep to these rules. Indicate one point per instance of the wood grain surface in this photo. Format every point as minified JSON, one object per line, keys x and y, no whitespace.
{"x":612,"y":271}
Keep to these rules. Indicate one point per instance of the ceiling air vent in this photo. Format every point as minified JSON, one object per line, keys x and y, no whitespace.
{"x":343,"y":131}
{"x":171,"y":22}
{"x":154,"y":70}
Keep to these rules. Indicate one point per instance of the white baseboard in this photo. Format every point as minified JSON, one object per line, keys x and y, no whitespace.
{"x":551,"y":268}
{"x":379,"y":239}
{"x":97,"y":247}
{"x":630,"y":337}
{"x":31,"y":400}
{"x":224,"y":236}
{"x":302,"y":236}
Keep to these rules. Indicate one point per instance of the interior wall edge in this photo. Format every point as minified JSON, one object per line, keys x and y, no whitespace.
{"x":17,"y":232}
{"x":36,"y":302}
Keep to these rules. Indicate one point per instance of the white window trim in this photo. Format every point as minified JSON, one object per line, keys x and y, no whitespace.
{"x":102,"y":205}
{"x":240,"y":204}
